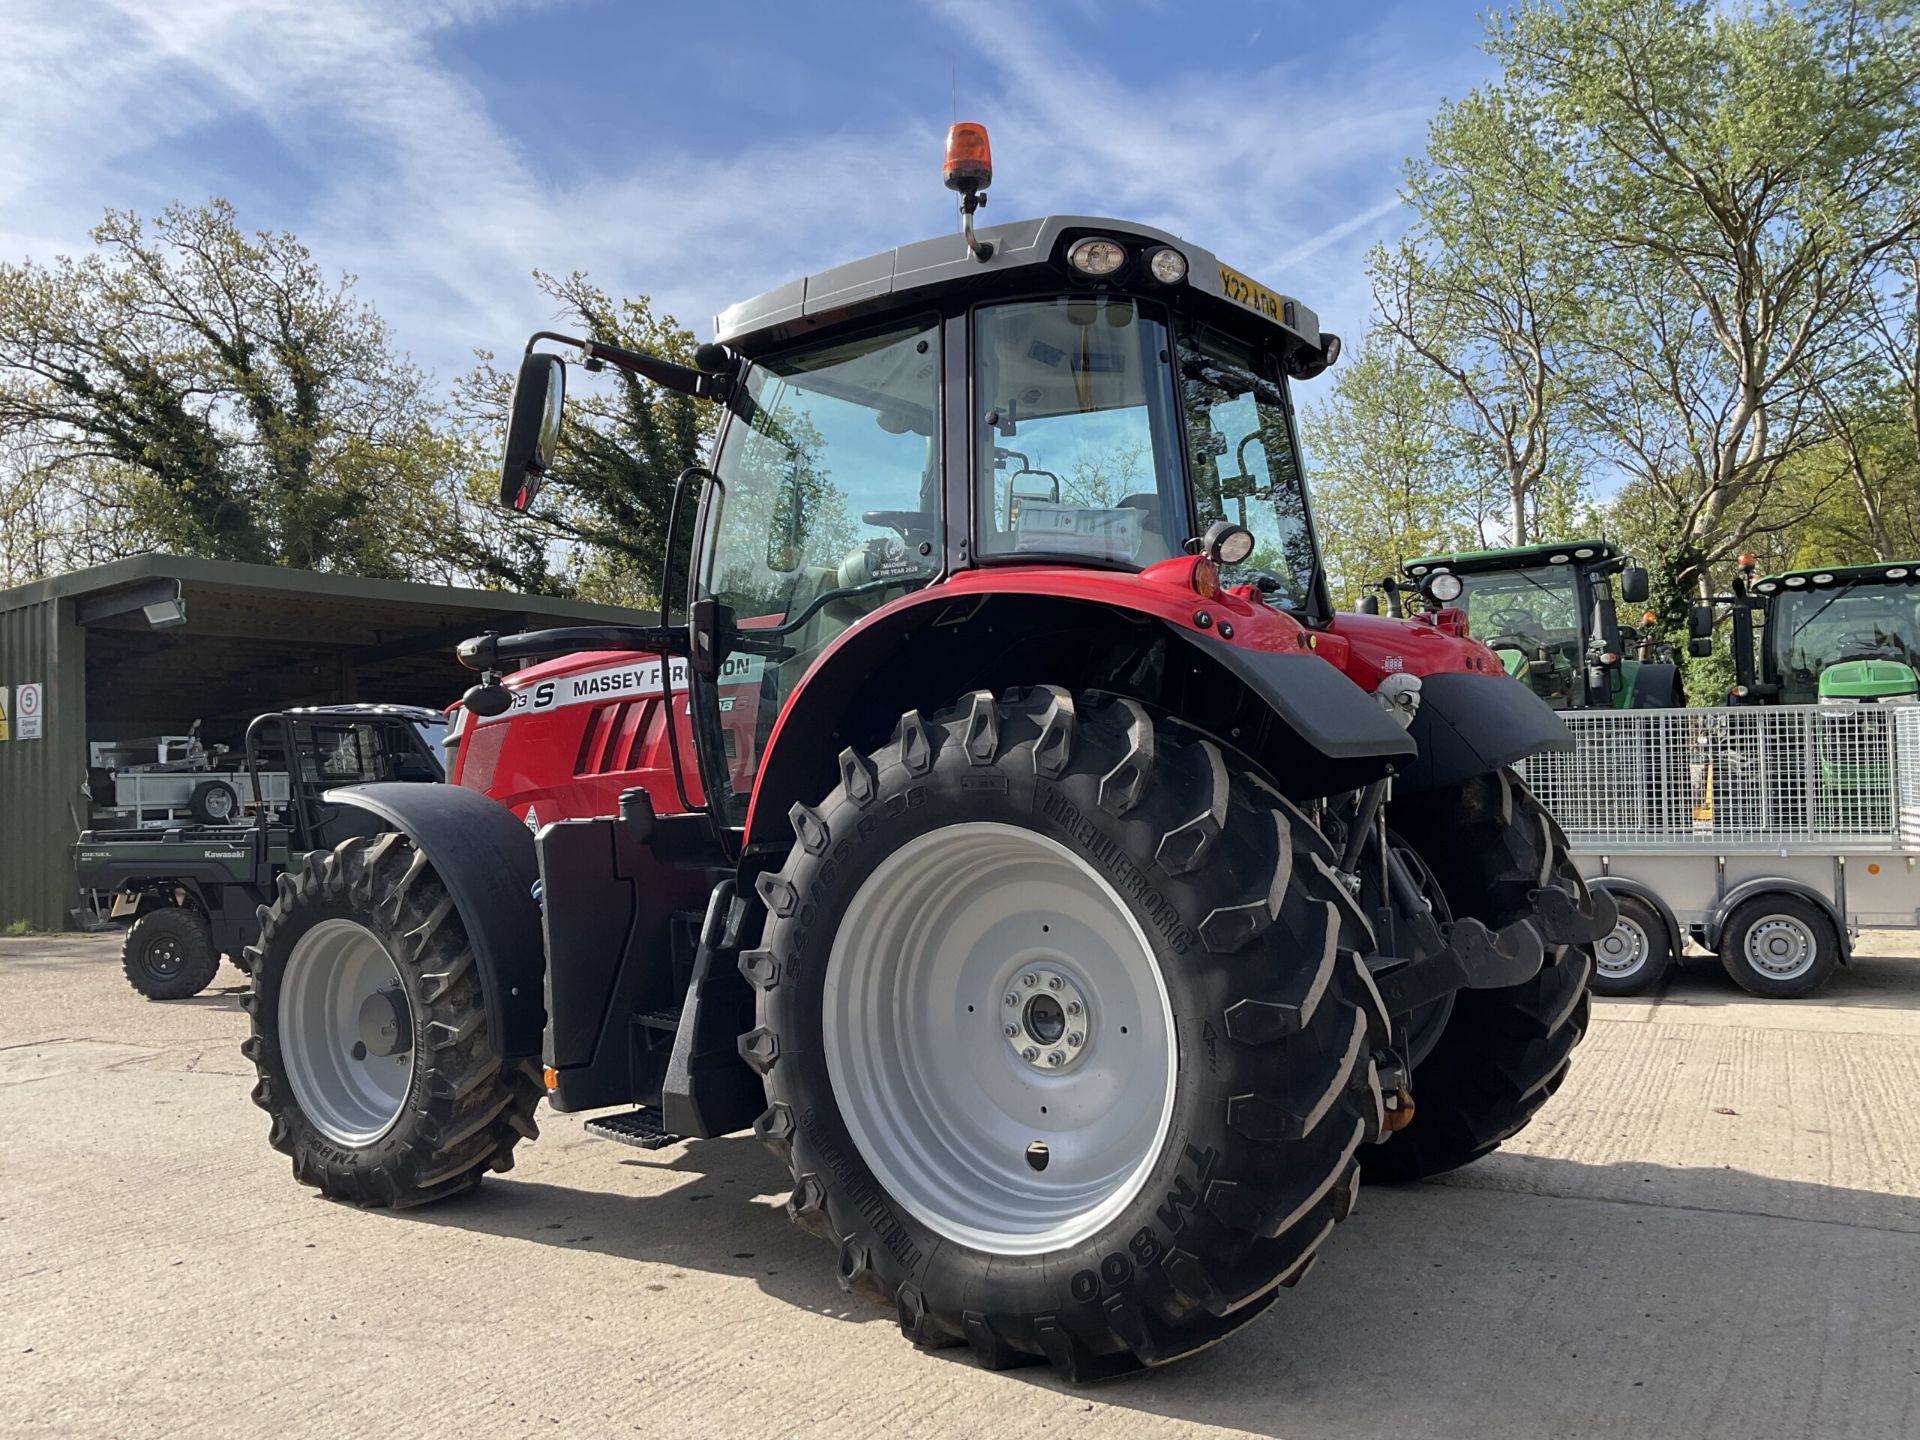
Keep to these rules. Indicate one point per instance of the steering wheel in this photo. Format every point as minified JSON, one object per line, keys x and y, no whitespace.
{"x":1519,"y":622}
{"x":1866,"y":645}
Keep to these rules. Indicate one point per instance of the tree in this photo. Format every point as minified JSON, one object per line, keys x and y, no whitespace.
{"x":1734,"y":180}
{"x":1386,"y":467}
{"x":187,"y":386}
{"x":600,"y":524}
{"x":1480,"y":290}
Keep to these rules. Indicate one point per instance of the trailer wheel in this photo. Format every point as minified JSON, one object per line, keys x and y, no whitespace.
{"x":1634,"y":958}
{"x":168,"y":953}
{"x":1065,"y":1031}
{"x":370,"y":1033}
{"x":1779,"y":946}
{"x":1489,"y":844}
{"x":213,"y":802}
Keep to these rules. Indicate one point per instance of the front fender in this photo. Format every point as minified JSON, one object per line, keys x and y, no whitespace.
{"x":1267,"y":693}
{"x":485,"y":858}
{"x":1472,"y":724}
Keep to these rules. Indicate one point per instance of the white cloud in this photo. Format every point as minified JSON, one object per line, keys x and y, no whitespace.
{"x":1285,"y":169}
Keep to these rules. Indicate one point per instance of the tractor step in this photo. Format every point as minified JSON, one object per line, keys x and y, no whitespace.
{"x":639,"y":1128}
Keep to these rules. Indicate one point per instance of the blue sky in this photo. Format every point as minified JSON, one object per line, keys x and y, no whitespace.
{"x":440,"y":150}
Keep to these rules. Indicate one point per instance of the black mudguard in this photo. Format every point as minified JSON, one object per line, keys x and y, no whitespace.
{"x":1470,"y":724}
{"x":1655,"y":685}
{"x":485,"y":858}
{"x":1333,"y":717}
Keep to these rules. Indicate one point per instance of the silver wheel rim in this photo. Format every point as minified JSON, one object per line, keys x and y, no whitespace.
{"x":219,"y":804}
{"x":1781,"y":947}
{"x":348,"y":1051}
{"x":946,"y":948}
{"x":1624,"y":952}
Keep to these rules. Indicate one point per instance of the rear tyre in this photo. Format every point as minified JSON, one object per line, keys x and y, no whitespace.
{"x":1779,"y":946}
{"x":1489,"y":844}
{"x":1634,"y":958}
{"x":370,"y":1034}
{"x":1058,"y":876}
{"x":168,"y":953}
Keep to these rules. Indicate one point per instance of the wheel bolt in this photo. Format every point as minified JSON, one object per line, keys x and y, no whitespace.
{"x":1029,"y":1054}
{"x":1073,"y":1007}
{"x":1013,"y":999}
{"x":1056,"y":1058}
{"x":1029,"y":980}
{"x":1075,"y":1038}
{"x":1012,"y":1030}
{"x":1053,"y":982}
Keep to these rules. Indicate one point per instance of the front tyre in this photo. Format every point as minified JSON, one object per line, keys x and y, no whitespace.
{"x":168,"y":953}
{"x":370,"y":1034}
{"x":1491,"y":846}
{"x":1065,"y":1033}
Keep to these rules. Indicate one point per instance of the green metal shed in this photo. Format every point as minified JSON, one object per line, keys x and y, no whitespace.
{"x":145,"y":646}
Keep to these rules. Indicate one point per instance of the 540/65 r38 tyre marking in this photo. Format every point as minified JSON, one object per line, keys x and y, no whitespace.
{"x":1193,"y":916}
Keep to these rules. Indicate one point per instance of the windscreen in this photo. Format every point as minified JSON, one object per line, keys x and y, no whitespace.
{"x":1531,"y":619}
{"x":1808,"y":630}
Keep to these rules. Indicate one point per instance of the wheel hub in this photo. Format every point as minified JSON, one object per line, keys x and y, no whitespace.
{"x":1623,"y":951}
{"x":346,"y":1032}
{"x":1781,"y":947}
{"x":1051,"y":1023}
{"x":999,"y":1038}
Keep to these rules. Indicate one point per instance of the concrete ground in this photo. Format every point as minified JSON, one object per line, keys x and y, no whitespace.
{"x":1713,"y":1230}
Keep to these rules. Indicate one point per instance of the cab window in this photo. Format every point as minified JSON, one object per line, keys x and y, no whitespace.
{"x":1244,"y":462}
{"x":1076,"y":450}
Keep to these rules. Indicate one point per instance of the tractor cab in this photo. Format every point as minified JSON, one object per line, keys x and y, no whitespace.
{"x":1548,"y":612}
{"x":1840,"y":634}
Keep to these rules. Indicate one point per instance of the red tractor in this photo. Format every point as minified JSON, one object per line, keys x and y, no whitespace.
{"x":1033,"y":859}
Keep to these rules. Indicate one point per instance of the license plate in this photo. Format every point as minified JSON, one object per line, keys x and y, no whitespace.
{"x":1252,"y":294}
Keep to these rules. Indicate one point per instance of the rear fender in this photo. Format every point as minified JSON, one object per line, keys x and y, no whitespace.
{"x":485,"y":858}
{"x":1307,"y":724}
{"x":1473,"y":724}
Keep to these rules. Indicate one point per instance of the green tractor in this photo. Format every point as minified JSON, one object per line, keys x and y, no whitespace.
{"x":1548,"y":612}
{"x":1838,"y":634}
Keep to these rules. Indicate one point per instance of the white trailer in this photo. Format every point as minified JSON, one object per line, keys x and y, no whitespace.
{"x":1769,"y":836}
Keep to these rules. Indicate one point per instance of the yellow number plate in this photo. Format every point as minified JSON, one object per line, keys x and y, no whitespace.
{"x":1255,"y":296}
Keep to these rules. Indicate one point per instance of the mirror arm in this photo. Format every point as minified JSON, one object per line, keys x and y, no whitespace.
{"x":486,"y":652}
{"x":664,"y":373}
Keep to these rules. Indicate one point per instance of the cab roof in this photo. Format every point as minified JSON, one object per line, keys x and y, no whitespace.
{"x":1558,"y":552}
{"x":1024,"y":252}
{"x":1885,"y":572}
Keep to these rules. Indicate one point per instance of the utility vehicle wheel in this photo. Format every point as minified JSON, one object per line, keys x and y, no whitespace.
{"x":168,"y":953}
{"x":1632,"y":960}
{"x":213,"y":802}
{"x":1065,"y":1031}
{"x":1490,"y":844}
{"x":1779,"y":946}
{"x":370,"y":1034}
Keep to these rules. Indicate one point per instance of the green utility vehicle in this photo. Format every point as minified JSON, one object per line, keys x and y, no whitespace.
{"x":1548,"y":612}
{"x":191,"y":891}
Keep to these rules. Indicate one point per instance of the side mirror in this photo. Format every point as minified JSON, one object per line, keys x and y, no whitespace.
{"x":533,"y":428}
{"x":1369,"y":605}
{"x":1700,"y":623}
{"x":1699,"y":648}
{"x":1633,"y":585}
